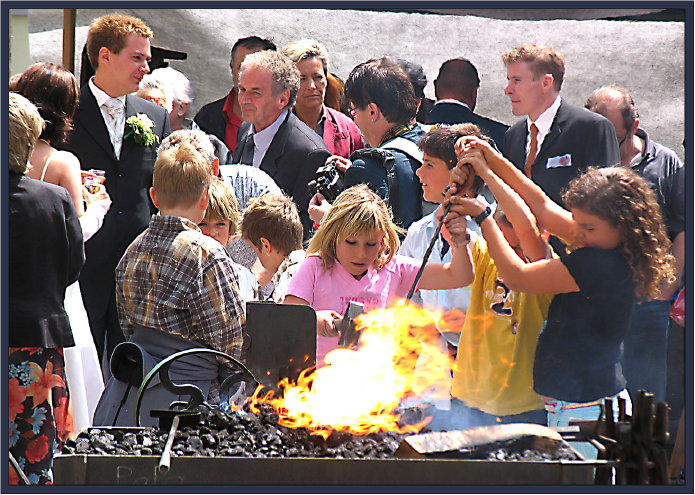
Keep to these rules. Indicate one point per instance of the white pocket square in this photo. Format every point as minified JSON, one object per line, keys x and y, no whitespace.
{"x":559,"y":161}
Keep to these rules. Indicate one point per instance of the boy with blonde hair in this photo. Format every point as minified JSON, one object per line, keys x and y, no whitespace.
{"x":221,"y":222}
{"x":176,"y":287}
{"x":272,"y":227}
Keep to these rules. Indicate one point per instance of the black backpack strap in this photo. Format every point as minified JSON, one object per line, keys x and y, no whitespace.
{"x":388,"y":161}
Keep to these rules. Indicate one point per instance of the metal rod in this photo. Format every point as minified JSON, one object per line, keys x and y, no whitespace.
{"x":165,"y":460}
{"x":427,"y":254}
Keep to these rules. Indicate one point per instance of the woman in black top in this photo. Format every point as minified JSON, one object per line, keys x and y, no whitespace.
{"x":46,"y":254}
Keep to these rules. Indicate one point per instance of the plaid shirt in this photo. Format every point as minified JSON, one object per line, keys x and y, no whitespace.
{"x":175,"y":279}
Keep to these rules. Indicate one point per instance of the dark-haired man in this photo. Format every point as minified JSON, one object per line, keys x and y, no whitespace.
{"x":118,"y":47}
{"x":456,"y":90}
{"x":646,"y":344}
{"x":222,"y":117}
{"x":418,"y":79}
{"x":384,"y":105}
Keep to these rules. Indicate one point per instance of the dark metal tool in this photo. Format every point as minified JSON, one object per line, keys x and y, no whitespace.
{"x":427,"y":254}
{"x":171,"y":419}
{"x":196,"y":398}
{"x":280,"y":340}
{"x":165,"y":459}
{"x":349,"y":337}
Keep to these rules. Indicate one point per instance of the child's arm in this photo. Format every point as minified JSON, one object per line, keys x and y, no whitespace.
{"x":539,"y":277}
{"x":516,"y":211}
{"x":458,"y":272}
{"x":549,"y":214}
{"x":325,"y":320}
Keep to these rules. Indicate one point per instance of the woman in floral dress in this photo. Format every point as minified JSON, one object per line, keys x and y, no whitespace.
{"x":46,"y":254}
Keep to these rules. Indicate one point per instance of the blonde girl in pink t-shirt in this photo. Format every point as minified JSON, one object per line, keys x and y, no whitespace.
{"x":352,"y":257}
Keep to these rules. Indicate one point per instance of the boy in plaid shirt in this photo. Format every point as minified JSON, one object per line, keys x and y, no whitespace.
{"x":173,"y":278}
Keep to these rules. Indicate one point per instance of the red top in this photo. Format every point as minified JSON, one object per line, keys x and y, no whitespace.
{"x":233,"y":121}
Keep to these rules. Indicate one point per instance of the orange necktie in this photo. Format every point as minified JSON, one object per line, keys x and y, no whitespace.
{"x":532,"y":151}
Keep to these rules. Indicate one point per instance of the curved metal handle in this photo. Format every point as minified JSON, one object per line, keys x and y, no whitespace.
{"x":163,"y":365}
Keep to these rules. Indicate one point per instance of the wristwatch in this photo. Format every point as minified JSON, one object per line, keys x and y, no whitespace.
{"x":479,"y":218}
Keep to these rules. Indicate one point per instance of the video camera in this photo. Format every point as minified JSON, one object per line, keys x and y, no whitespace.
{"x":329,"y":181}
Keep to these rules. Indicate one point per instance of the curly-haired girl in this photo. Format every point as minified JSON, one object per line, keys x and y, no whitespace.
{"x":352,"y":257}
{"x":621,"y":252}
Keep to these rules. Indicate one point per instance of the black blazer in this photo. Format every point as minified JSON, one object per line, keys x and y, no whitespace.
{"x":451,"y":113}
{"x":128,"y":181}
{"x":291,"y":160}
{"x":45,"y":256}
{"x":210,"y":119}
{"x":578,"y":139}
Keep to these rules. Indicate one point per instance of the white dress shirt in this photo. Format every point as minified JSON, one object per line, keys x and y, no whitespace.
{"x":262,"y":139}
{"x":116,"y":129}
{"x":543,"y":123}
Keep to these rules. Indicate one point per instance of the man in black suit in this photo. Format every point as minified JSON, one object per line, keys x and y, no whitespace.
{"x":272,"y":138}
{"x":103,"y":138}
{"x":456,"y":90}
{"x":556,"y":141}
{"x":222,"y":117}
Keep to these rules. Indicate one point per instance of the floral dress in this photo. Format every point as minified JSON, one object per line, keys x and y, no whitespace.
{"x":39,"y":418}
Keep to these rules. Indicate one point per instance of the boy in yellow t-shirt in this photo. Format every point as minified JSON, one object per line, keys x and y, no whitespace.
{"x":493,"y":374}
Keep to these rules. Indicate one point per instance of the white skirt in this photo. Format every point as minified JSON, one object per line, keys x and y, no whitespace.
{"x":82,"y":367}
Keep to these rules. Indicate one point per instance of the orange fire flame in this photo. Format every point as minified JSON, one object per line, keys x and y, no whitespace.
{"x":398,"y":358}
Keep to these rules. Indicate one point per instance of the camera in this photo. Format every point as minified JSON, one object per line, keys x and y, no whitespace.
{"x":329,"y":181}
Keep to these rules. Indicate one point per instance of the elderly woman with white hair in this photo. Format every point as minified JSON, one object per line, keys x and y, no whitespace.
{"x":337,"y":130}
{"x":179,"y":98}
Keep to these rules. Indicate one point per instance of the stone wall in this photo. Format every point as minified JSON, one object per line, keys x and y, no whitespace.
{"x":646,"y":57}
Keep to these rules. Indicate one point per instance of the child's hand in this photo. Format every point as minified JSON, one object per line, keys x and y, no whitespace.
{"x":470,"y":143}
{"x":318,"y":207}
{"x":456,"y":238}
{"x":456,"y":227}
{"x":325,"y":323}
{"x":461,"y":180}
{"x":463,"y":206}
{"x":475,"y":158}
{"x":456,"y":222}
{"x":445,"y":233}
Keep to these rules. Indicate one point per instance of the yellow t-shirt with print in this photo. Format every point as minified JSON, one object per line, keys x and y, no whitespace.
{"x":494,"y":364}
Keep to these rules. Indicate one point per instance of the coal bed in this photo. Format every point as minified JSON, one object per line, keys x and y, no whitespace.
{"x":242,"y":434}
{"x":252,"y":448}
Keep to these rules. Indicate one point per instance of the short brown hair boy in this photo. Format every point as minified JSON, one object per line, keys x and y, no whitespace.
{"x":439,"y":142}
{"x":111,"y":31}
{"x":181,"y":176}
{"x":275,"y":217}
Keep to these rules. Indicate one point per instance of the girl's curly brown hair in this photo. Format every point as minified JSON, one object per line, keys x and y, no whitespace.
{"x":625,"y":200}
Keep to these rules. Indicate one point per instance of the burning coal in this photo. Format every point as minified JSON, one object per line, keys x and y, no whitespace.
{"x":398,"y":359}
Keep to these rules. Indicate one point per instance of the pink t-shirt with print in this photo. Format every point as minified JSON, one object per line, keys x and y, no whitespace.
{"x":333,"y":289}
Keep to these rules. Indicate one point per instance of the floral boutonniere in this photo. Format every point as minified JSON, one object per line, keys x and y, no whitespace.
{"x":140,"y":127}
